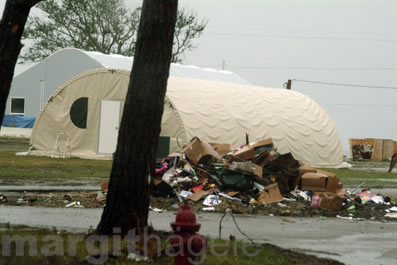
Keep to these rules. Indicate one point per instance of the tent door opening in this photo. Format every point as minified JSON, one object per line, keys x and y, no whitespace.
{"x":109,"y":126}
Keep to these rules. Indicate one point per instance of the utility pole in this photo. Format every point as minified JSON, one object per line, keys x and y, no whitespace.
{"x":223,"y":65}
{"x":288,"y":84}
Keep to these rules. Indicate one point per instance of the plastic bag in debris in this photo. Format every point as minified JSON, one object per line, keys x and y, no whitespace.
{"x":185,"y":194}
{"x":168,"y":174}
{"x":236,"y":181}
{"x":378,"y":199}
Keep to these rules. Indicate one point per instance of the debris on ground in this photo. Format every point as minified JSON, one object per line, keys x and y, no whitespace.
{"x":251,"y":179}
{"x":362,"y":151}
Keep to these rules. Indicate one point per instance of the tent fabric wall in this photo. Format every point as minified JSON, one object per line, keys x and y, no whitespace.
{"x":41,"y":80}
{"x":214,"y":111}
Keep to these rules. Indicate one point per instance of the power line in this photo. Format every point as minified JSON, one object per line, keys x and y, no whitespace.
{"x":278,"y":36}
{"x":306,"y":68}
{"x":340,"y":84}
{"x":318,"y":68}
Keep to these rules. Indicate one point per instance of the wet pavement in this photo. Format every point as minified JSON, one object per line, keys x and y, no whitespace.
{"x":351,"y":242}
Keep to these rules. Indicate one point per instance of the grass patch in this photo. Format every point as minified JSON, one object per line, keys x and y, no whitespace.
{"x":45,"y":168}
{"x":52,"y":247}
{"x":353,"y":177}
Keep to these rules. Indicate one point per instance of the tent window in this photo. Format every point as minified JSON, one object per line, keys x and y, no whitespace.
{"x":78,"y":112}
{"x":18,"y":106}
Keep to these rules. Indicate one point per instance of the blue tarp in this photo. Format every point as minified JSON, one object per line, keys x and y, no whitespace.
{"x":18,"y":121}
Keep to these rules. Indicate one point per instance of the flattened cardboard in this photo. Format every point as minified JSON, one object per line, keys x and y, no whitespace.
{"x":232,"y":193}
{"x":271,"y":193}
{"x":246,"y":153}
{"x":258,"y":170}
{"x":198,"y":194}
{"x":264,"y":142}
{"x":200,"y":152}
{"x":331,"y":201}
{"x":222,"y":149}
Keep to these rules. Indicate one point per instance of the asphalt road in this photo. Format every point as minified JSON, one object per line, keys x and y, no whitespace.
{"x":351,"y":242}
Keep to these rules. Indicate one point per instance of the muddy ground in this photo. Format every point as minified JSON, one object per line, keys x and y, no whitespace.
{"x":368,"y":211}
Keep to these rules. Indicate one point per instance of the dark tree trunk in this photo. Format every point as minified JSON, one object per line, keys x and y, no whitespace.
{"x":12,"y":24}
{"x":127,"y":203}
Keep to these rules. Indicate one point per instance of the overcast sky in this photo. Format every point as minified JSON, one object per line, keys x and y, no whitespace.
{"x":268,"y":42}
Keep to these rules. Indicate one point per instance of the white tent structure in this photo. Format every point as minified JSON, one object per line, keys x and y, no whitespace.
{"x":87,"y":109}
{"x":31,"y":89}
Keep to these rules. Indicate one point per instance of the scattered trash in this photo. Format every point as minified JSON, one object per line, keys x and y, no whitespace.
{"x":393,"y":209}
{"x":391,"y":215}
{"x":208,"y":209}
{"x":157,"y":210}
{"x":137,"y":257}
{"x":21,"y":153}
{"x":378,"y":199}
{"x":185,"y":194}
{"x":211,"y":200}
{"x":75,"y":204}
{"x":66,"y":197}
{"x":70,"y":204}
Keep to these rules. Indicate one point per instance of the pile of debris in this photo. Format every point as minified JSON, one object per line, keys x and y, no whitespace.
{"x":253,"y":174}
{"x":362,"y":151}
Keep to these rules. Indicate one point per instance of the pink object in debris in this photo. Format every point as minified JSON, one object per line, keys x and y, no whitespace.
{"x":316,"y":200}
{"x":162,"y":170}
{"x":365,"y":195}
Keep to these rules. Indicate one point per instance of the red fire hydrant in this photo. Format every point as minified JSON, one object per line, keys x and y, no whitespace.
{"x":192,"y":244}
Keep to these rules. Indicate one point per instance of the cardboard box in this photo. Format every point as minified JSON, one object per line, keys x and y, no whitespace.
{"x":320,"y":182}
{"x":222,"y":149}
{"x":306,"y":169}
{"x":200,"y":152}
{"x":104,"y":185}
{"x":329,"y":174}
{"x":198,"y":194}
{"x":314,"y":182}
{"x":331,"y":201}
{"x":271,"y":193}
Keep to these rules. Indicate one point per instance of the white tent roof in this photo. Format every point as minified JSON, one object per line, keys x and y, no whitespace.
{"x":214,"y":111}
{"x":122,"y":62}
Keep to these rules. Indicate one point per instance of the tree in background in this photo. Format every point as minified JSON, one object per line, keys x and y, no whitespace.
{"x":12,"y":24}
{"x":127,"y":202}
{"x":105,"y":26}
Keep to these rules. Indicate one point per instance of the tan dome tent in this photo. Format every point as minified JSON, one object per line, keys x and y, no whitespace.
{"x":87,"y":110}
